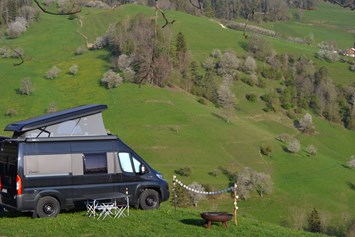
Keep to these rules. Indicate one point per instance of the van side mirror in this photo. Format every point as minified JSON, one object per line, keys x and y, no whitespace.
{"x":143,"y":169}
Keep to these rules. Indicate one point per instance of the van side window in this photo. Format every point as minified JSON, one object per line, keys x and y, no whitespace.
{"x":126,"y":163}
{"x":95,"y":163}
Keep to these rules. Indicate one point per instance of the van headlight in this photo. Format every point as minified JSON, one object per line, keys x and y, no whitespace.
{"x":160,"y":176}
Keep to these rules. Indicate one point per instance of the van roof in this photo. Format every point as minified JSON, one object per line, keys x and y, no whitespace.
{"x":54,"y":118}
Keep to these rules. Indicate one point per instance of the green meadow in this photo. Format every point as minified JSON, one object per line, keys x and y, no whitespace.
{"x":171,"y":130}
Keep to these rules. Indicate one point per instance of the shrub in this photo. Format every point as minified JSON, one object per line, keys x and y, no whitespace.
{"x":185,"y":171}
{"x":285,"y":138}
{"x":8,"y":53}
{"x":202,"y":101}
{"x":251,"y":97}
{"x":11,"y":112}
{"x":53,"y":73}
{"x":314,"y":222}
{"x":312,"y":150}
{"x":80,"y":50}
{"x":51,"y":108}
{"x":180,"y":197}
{"x":352,"y":68}
{"x":26,"y":86}
{"x":294,"y":146}
{"x":351,"y":162}
{"x":266,"y":150}
{"x":111,"y":79}
{"x":74,"y":69}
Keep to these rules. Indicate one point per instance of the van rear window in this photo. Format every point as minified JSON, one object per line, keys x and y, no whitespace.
{"x":8,"y":154}
{"x":95,"y":163}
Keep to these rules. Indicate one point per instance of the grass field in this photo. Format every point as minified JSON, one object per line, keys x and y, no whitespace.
{"x":163,"y":222}
{"x":171,"y":130}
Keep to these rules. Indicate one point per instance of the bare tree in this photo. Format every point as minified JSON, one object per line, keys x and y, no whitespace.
{"x":249,"y":65}
{"x":294,"y":146}
{"x":262,"y":184}
{"x":249,"y":179}
{"x":229,"y":64}
{"x":226,"y":99}
{"x":16,"y":28}
{"x":306,"y":124}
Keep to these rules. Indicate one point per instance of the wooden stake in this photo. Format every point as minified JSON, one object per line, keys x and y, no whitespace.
{"x":235,"y":204}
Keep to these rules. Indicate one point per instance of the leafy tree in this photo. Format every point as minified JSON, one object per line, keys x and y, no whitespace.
{"x":26,"y":86}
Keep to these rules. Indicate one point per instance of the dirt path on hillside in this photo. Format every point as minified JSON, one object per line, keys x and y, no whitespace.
{"x":88,"y":45}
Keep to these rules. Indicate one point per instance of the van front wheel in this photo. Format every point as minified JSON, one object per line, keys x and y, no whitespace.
{"x":48,"y":207}
{"x":149,"y":199}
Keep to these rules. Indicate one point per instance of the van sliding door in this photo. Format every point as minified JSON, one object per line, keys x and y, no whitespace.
{"x":97,"y":171}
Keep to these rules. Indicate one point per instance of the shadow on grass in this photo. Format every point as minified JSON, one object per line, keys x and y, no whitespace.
{"x":13,"y":214}
{"x":195,"y":222}
{"x":351,"y":185}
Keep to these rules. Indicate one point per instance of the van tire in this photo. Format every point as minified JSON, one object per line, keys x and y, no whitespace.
{"x":48,"y":207}
{"x":149,"y":199}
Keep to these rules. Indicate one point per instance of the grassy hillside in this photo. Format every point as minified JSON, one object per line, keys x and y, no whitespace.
{"x":171,"y":130}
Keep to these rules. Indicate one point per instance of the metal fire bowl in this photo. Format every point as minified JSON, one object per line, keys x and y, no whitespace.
{"x":216,"y":217}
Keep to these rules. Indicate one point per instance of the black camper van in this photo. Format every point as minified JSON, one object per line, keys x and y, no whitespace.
{"x":54,"y":161}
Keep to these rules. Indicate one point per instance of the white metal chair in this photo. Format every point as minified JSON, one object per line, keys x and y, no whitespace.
{"x":106,"y":209}
{"x":91,"y":208}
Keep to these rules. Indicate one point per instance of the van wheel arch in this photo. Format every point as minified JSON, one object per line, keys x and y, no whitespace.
{"x":149,"y":199}
{"x":47,"y":206}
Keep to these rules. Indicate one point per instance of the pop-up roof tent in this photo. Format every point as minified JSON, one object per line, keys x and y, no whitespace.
{"x":84,"y":120}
